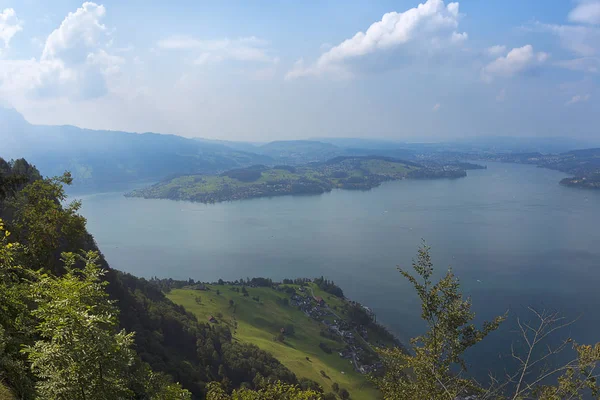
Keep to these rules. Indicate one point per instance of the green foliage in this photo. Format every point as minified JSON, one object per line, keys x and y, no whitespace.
{"x":344,"y":394}
{"x":259,"y":324}
{"x":434,"y":368}
{"x":14,"y":175}
{"x":276,"y":391}
{"x":16,"y":322}
{"x":168,"y":338}
{"x":358,"y":315}
{"x":79,"y":355}
{"x":308,"y":384}
{"x":577,"y":378}
{"x":329,"y":287}
{"x":158,"y":386}
{"x":44,"y":224}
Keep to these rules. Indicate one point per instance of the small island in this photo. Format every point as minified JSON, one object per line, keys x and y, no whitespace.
{"x":353,"y":173}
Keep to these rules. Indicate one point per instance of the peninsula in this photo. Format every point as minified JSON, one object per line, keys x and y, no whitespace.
{"x":358,"y":173}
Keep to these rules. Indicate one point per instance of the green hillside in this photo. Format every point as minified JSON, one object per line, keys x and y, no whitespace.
{"x":260,"y":322}
{"x":260,"y":181}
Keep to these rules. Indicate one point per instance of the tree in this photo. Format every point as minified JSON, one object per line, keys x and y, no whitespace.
{"x":358,"y":315}
{"x":14,"y":175}
{"x":167,"y":337}
{"x":276,"y":391}
{"x":309,"y":384}
{"x":344,"y":394}
{"x":536,"y":364}
{"x":79,"y":355}
{"x":158,"y":386}
{"x":16,"y":322}
{"x":434,"y":368}
{"x":44,"y":224}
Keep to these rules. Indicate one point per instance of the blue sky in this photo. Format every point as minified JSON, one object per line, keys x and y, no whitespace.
{"x":258,"y":70}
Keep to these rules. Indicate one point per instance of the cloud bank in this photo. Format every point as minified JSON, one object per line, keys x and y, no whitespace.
{"x":429,"y":26}
{"x":517,"y":61}
{"x":247,"y":49}
{"x":9,"y":26}
{"x":74,"y":62}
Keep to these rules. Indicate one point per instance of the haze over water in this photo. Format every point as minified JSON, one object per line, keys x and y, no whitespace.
{"x":512,"y":234}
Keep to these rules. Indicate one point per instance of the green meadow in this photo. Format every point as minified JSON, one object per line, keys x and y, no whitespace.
{"x":259,"y":322}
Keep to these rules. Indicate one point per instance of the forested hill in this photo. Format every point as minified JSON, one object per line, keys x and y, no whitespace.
{"x":344,"y":172}
{"x":101,"y":160}
{"x":167,"y":338}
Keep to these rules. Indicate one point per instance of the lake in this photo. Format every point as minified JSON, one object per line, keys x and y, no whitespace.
{"x":511,"y":233}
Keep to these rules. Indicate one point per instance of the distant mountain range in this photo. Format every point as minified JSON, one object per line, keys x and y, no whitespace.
{"x":112,"y":160}
{"x":105,"y":159}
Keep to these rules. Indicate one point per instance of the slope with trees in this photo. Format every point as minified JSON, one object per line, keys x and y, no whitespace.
{"x":169,"y":343}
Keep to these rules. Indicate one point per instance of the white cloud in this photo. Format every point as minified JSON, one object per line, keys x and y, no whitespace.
{"x":9,"y":25}
{"x":585,"y":64}
{"x":581,"y":40}
{"x":73,"y":62}
{"x":578,"y":98}
{"x":496,"y":51}
{"x":436,"y":107}
{"x":517,"y":60}
{"x":428,"y":26}
{"x":587,"y":12}
{"x":459,"y":37}
{"x":212,"y":51}
{"x":79,"y":31}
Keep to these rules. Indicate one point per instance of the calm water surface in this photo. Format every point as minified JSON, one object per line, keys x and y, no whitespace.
{"x":511,"y":233}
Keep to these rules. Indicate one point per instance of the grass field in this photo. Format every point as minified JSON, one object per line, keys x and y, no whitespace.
{"x":258,"y":322}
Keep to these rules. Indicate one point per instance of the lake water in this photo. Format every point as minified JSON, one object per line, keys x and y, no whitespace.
{"x":512,"y":234}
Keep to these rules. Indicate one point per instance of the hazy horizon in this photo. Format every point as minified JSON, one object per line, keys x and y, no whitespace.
{"x":336,"y":140}
{"x":428,"y":72}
